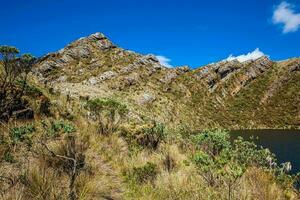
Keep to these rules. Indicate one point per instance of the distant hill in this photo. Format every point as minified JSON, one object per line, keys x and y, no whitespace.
{"x":257,"y":93}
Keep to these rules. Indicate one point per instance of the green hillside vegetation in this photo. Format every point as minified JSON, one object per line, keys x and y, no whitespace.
{"x":253,"y":94}
{"x":56,"y":158}
{"x":140,"y":131}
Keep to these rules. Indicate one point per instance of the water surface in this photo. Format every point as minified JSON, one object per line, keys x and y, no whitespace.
{"x":285,"y":144}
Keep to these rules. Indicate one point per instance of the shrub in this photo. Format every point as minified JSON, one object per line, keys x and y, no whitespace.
{"x":56,"y":128}
{"x":8,"y":157}
{"x":69,"y":158}
{"x":13,"y":68}
{"x":212,"y":142}
{"x":19,"y":134}
{"x":206,"y":166}
{"x":29,"y":89}
{"x":143,"y":174}
{"x":151,"y":137}
{"x":169,"y":162}
{"x":247,"y":153}
{"x":108,"y":112}
{"x":44,"y":105}
{"x":219,"y":160}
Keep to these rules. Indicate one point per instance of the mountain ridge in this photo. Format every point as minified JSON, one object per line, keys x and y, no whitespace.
{"x":228,"y":94}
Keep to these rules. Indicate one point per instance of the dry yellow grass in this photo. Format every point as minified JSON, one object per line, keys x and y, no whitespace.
{"x":109,"y":156}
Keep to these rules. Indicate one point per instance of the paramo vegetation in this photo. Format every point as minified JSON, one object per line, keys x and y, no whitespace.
{"x":52,"y":147}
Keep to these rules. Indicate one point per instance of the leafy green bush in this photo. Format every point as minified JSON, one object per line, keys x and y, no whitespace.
{"x":13,"y":68}
{"x":220,"y":160}
{"x":19,"y":134}
{"x":151,"y":137}
{"x":108,"y":112}
{"x":56,"y":128}
{"x":143,"y":174}
{"x":110,"y":105}
{"x":249,"y":154}
{"x":212,"y":142}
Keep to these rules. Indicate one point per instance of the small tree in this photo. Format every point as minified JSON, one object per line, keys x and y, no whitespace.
{"x":230,"y":171}
{"x":13,"y":69}
{"x":206,"y":167}
{"x":212,"y":142}
{"x":215,"y":158}
{"x":153,"y":136}
{"x":70,"y":158}
{"x":108,"y":112}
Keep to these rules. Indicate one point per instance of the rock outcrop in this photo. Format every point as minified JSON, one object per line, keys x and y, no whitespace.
{"x":224,"y":94}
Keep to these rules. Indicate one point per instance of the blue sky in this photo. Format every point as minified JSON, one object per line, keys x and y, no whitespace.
{"x":188,"y":32}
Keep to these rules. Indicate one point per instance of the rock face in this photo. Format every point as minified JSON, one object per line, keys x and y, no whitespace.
{"x":228,"y":94}
{"x":82,"y":49}
{"x":146,"y":98}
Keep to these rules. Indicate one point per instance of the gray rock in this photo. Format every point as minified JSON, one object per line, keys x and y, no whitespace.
{"x":211,"y":81}
{"x":263,"y":63}
{"x":251,"y":73}
{"x":62,"y":78}
{"x":171,"y":75}
{"x":295,"y":68}
{"x":223,"y":69}
{"x":183,"y":69}
{"x":152,"y":58}
{"x":81,"y":71}
{"x":129,"y":68}
{"x":93,"y":81}
{"x":130,"y":80}
{"x":146,"y":98}
{"x":202,"y":73}
{"x":107,"y":75}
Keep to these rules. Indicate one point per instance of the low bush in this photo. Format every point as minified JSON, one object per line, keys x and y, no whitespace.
{"x":212,"y":141}
{"x":152,"y":137}
{"x":143,"y":174}
{"x":108,"y":112}
{"x":221,"y":161}
{"x":145,"y":137}
{"x":56,"y":128}
{"x":19,"y":134}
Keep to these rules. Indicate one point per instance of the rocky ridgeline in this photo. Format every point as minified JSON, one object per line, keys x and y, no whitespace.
{"x":93,"y":67}
{"x":82,"y":48}
{"x":86,"y":53}
{"x":219,"y":72}
{"x":93,"y":52}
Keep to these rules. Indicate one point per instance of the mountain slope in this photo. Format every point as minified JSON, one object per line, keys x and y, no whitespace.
{"x":229,"y":94}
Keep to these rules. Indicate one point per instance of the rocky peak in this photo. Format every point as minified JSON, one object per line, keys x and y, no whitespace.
{"x":85,"y":49}
{"x":95,"y":40}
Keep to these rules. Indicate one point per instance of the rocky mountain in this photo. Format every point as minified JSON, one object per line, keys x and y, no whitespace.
{"x":253,"y":94}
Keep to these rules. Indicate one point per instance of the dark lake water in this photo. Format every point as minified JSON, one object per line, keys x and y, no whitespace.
{"x":284,"y":143}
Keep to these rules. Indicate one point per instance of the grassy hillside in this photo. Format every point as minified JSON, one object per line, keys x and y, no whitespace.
{"x":228,"y":94}
{"x":93,"y":151}
{"x":94,"y":121}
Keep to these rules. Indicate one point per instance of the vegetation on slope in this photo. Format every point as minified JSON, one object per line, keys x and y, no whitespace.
{"x":101,"y":148}
{"x":253,"y":94}
{"x":52,"y":158}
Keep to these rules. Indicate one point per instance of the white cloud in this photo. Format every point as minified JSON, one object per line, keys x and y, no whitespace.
{"x":245,"y":57}
{"x":285,"y":14}
{"x":164,"y":61}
